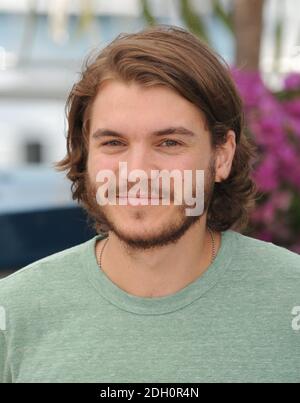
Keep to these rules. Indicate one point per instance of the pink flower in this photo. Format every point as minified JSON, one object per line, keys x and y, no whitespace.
{"x":266,"y":174}
{"x":282,"y":200}
{"x":274,"y":124}
{"x":265,"y":235}
{"x":293,"y":125}
{"x":250,"y":86}
{"x":292,"y":81}
{"x":264,"y":213}
{"x":292,"y":107}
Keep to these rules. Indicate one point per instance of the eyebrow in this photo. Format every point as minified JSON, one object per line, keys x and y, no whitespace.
{"x":162,"y":132}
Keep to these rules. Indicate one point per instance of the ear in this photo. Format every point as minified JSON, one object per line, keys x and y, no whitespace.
{"x":224,"y":157}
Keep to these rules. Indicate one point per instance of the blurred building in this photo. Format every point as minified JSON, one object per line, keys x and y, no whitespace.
{"x":41,"y":56}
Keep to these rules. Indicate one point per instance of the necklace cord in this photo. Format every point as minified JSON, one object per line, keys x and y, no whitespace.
{"x":212,"y":244}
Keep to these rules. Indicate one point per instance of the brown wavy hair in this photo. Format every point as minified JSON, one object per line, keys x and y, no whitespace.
{"x":170,"y":56}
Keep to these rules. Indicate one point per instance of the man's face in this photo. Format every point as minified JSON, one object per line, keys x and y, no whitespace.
{"x":137,"y":114}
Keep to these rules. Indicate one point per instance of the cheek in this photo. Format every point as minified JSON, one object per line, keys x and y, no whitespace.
{"x":187,"y":162}
{"x":97,"y":162}
{"x":199,"y":159}
{"x":91,"y":167}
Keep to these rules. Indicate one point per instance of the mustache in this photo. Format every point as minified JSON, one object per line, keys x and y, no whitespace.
{"x":142,"y":190}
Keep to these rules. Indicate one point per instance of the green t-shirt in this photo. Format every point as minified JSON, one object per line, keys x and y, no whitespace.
{"x":66,"y":321}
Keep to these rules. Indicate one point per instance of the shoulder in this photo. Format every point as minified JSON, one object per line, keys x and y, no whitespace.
{"x":265,"y":257}
{"x":46,"y":273}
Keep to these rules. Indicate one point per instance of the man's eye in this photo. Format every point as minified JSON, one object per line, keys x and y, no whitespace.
{"x":112,"y":143}
{"x":171,"y":143}
{"x":168,"y":143}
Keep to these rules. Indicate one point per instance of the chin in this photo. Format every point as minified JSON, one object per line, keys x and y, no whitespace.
{"x":139,"y":229}
{"x":140,"y":226}
{"x":140,"y":214}
{"x":136,"y":235}
{"x":136,"y":221}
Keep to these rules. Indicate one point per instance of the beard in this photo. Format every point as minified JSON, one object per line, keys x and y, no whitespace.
{"x":103,"y":219}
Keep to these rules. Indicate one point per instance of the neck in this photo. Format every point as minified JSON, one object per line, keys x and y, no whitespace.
{"x":161,"y":271}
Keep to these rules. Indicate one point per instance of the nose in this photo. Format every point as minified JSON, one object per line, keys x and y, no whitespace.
{"x":137,"y":168}
{"x":139,"y":158}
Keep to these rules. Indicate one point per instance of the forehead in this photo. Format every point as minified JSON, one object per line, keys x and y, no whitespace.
{"x":130,"y":107}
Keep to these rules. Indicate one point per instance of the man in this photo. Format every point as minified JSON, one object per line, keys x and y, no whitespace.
{"x":158,"y":295}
